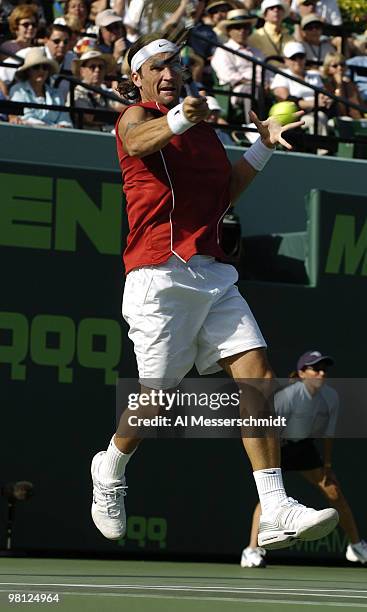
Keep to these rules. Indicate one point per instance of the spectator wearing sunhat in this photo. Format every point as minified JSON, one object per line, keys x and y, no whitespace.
{"x":234,"y":70}
{"x":32,"y":87}
{"x":112,"y":34}
{"x":272,"y":37}
{"x":316,"y":46}
{"x":215,"y":12}
{"x":91,"y":68}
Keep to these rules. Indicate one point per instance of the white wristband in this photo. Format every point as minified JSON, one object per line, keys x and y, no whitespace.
{"x":258,"y":155}
{"x":177,"y":122}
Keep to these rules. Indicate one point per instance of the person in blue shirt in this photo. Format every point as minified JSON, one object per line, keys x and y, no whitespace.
{"x":32,"y":87}
{"x":360,"y":80}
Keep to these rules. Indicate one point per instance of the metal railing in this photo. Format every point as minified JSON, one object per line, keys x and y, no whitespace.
{"x":267,"y":66}
{"x":10,"y":107}
{"x":257,"y":94}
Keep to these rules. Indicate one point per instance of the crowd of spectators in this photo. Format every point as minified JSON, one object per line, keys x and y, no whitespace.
{"x":45,"y":46}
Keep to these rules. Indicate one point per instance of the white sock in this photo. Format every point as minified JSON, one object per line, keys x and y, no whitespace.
{"x":270,"y":487}
{"x":114,"y":462}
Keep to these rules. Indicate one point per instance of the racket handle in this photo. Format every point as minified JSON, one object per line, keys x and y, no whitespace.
{"x":191,"y":88}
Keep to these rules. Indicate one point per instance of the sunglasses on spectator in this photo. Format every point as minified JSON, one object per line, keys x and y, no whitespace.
{"x":241,"y":26}
{"x":336,"y":65}
{"x":95,"y":66}
{"x":317,"y":367}
{"x":58,"y":41}
{"x":298,"y":56}
{"x":27,"y":24}
{"x":40,"y":67}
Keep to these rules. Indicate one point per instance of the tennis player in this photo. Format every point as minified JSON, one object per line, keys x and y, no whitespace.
{"x":311,"y":408}
{"x":180,"y":300}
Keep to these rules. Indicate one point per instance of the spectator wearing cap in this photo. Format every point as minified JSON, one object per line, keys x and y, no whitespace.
{"x":91,"y":68}
{"x":57,"y":42}
{"x":310,"y":407}
{"x":112,"y":34}
{"x":286,"y":89}
{"x":272,"y":37}
{"x":32,"y":87}
{"x":234,"y":70}
{"x":328,"y":10}
{"x":336,"y":81}
{"x":23,"y":24}
{"x":316,"y":46}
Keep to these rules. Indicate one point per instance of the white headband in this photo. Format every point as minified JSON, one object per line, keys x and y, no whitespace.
{"x":156,"y":46}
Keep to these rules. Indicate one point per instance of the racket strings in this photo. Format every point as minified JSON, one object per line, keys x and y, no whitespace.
{"x":155,"y":10}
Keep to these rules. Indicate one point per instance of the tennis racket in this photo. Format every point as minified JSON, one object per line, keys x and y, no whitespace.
{"x":181,"y":18}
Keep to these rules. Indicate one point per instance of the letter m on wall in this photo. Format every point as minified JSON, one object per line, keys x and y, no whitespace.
{"x":348,"y":251}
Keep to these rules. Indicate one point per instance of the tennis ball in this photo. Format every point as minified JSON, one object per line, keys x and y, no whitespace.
{"x":283,"y":112}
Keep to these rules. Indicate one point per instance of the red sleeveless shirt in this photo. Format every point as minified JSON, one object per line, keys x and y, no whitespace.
{"x":176,"y":198}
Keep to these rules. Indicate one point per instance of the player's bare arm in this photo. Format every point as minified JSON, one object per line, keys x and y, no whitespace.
{"x":271,"y":133}
{"x":143,"y":135}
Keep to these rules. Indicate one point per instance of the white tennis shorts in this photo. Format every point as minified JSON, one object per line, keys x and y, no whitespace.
{"x":181,"y":314}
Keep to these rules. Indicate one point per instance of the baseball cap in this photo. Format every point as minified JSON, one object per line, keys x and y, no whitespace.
{"x":312,"y":357}
{"x":293,"y":48}
{"x":311,"y":18}
{"x":106,"y":18}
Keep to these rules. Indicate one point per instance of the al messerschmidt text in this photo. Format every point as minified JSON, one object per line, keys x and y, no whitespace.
{"x":201,"y":421}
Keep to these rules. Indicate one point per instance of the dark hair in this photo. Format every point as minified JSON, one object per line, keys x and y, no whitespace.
{"x":126,"y":88}
{"x":58,"y":27}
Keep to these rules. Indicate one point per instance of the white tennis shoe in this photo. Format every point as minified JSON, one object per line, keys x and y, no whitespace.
{"x":253,"y":557}
{"x":357,"y":552}
{"x":108,"y":508}
{"x":293,"y":521}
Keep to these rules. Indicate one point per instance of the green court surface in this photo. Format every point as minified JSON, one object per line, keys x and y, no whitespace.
{"x":141,"y":586}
